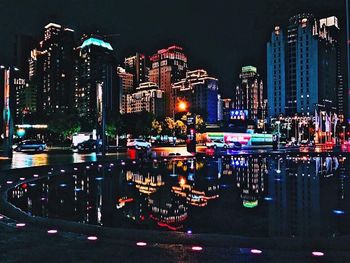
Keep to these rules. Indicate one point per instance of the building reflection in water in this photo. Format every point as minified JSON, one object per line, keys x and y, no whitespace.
{"x":275,"y":196}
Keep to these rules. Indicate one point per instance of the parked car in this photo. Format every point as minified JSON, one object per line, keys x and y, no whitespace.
{"x":138,"y":144}
{"x":90,"y":145}
{"x":217,"y":144}
{"x":34,"y":145}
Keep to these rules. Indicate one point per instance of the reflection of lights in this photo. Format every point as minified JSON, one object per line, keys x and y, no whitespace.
{"x":1,"y":217}
{"x":197,"y":248}
{"x":20,"y":225}
{"x":256,"y":251}
{"x":9,"y":182}
{"x":317,"y":253}
{"x":92,"y":238}
{"x":250,"y":204}
{"x":338,"y":212}
{"x":22,"y":178}
{"x":62,"y":171}
{"x":189,"y":232}
{"x":52,"y":231}
{"x":278,"y":171}
{"x":63,"y":185}
{"x":182,"y":181}
{"x":268,"y":198}
{"x":99,"y":178}
{"x":35,"y":175}
{"x":141,"y":244}
{"x":77,"y":189}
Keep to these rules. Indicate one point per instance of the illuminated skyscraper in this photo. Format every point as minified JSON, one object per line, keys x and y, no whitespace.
{"x":126,"y":82}
{"x":95,"y":73}
{"x":136,"y":65}
{"x":51,"y":69}
{"x":168,"y":66}
{"x":249,"y":93}
{"x":302,"y":66}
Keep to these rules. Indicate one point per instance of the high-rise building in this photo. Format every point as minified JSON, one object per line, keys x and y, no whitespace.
{"x":168,"y":66}
{"x":51,"y":69}
{"x":148,"y":97}
{"x":126,"y":82}
{"x":302,"y":66}
{"x":23,"y":46}
{"x":201,"y":92}
{"x":136,"y":65}
{"x":95,"y":74}
{"x":249,"y":93}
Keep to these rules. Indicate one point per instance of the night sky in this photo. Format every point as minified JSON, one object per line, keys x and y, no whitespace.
{"x":220,"y":36}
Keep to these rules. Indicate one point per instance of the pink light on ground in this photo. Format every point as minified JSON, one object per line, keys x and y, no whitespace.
{"x":35,"y":175}
{"x":52,"y":231}
{"x":256,"y":251}
{"x":317,"y":254}
{"x":20,"y":225}
{"x":197,"y":248}
{"x":141,"y":244}
{"x":22,"y":178}
{"x":92,"y":238}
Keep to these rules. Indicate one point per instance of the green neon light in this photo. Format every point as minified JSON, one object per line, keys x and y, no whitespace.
{"x":250,"y":204}
{"x":96,"y":42}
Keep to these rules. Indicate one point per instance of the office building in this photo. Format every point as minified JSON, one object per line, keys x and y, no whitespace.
{"x":136,"y":65}
{"x":126,"y":82}
{"x":148,"y":97}
{"x":302,"y":66}
{"x":169,"y":65}
{"x":249,"y":93}
{"x":51,"y":70}
{"x":95,"y":79}
{"x":201,"y":92}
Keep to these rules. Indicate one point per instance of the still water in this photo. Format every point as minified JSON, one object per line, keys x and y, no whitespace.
{"x":249,"y":196}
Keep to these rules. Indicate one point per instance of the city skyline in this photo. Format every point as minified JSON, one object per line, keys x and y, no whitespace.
{"x":212,"y":41}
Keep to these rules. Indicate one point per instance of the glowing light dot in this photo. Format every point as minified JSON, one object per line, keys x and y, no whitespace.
{"x":317,"y":254}
{"x":52,"y":231}
{"x":62,"y":171}
{"x":1,"y":217}
{"x":9,"y":182}
{"x":92,"y":238}
{"x":22,"y":178}
{"x":338,"y":212}
{"x":197,"y":248}
{"x":35,"y":175}
{"x":141,"y":244}
{"x":75,"y":168}
{"x":256,"y":251}
{"x":189,"y":231}
{"x":20,"y":225}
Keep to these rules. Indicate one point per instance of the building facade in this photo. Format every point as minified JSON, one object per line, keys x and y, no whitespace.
{"x":148,"y":97}
{"x":249,"y":93}
{"x":126,"y":82}
{"x":51,"y":70}
{"x":168,"y":66}
{"x":201,"y":92}
{"x":302,"y":66}
{"x":95,"y":76}
{"x":136,"y":65}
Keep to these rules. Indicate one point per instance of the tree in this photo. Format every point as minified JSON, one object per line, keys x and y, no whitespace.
{"x":156,"y":127}
{"x":63,"y":125}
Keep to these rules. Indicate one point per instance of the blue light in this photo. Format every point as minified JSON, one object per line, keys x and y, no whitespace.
{"x":63,"y":185}
{"x":77,"y":189}
{"x":99,"y":178}
{"x":338,"y":212}
{"x":268,"y":198}
{"x":96,"y":42}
